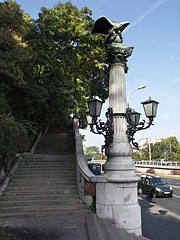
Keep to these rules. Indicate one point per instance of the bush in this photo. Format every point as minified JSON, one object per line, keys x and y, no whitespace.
{"x":14,"y":136}
{"x":151,"y":170}
{"x":175,"y":172}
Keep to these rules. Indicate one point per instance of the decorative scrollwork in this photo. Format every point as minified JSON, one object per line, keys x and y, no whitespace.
{"x":106,"y":129}
{"x":132,"y":129}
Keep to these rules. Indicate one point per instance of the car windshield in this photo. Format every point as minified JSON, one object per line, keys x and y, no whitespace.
{"x":158,"y":181}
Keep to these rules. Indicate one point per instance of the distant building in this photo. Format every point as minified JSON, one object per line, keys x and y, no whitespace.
{"x":144,"y":142}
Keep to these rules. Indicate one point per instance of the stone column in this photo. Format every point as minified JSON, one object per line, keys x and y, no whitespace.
{"x":117,"y":197}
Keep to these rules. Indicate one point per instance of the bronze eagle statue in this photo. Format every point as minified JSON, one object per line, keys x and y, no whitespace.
{"x":110,"y":28}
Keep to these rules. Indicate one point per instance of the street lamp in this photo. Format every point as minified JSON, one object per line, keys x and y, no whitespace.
{"x":117,"y":195}
{"x":150,"y":108}
{"x":136,"y":89}
{"x":94,"y":106}
{"x":133,"y":119}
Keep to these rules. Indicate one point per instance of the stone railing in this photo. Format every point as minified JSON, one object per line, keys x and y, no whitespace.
{"x":144,"y":162}
{"x":106,"y":197}
{"x":86,"y":180}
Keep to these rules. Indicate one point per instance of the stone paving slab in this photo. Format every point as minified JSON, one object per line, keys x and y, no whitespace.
{"x":76,"y":226}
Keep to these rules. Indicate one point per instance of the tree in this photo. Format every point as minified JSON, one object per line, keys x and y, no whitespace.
{"x":67,"y":59}
{"x":92,"y":151}
{"x":14,"y":130}
{"x":136,"y":155}
{"x":49,"y":67}
{"x":168,"y":147}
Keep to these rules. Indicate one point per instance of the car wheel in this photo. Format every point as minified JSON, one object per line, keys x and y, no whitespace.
{"x":154,"y":195}
{"x":170,"y":195}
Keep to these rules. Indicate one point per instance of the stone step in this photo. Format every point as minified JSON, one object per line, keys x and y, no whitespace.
{"x":44,"y":213}
{"x":61,"y":176}
{"x":45,"y":171}
{"x":43,"y":191}
{"x":45,"y":208}
{"x":45,"y":167}
{"x":41,"y":188}
{"x":74,"y":195}
{"x":46,"y":176}
{"x":58,"y":165}
{"x":41,"y":203}
{"x":19,"y":182}
{"x":49,"y":156}
{"x":56,"y":162}
{"x":52,"y":160}
{"x":43,"y":184}
{"x":49,"y":165}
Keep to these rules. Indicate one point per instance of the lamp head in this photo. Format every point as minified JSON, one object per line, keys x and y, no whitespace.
{"x":94,"y":106}
{"x":134,"y":117}
{"x":150,"y":108}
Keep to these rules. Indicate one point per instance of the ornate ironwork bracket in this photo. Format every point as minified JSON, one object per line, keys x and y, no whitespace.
{"x":106,"y":129}
{"x":132,"y":129}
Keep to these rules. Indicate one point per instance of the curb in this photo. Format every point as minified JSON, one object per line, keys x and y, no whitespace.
{"x":6,"y":181}
{"x":35,"y":143}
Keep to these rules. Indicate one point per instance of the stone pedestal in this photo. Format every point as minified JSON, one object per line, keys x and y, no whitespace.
{"x":117,"y":198}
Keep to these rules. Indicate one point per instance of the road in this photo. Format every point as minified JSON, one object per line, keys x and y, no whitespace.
{"x":161,"y":216}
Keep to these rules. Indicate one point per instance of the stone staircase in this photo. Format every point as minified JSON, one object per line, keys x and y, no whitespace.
{"x":45,"y":183}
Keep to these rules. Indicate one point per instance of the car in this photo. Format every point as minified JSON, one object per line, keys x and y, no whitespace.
{"x":95,"y":168}
{"x":154,"y":186}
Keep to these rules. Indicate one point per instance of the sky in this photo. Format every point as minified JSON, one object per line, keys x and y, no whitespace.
{"x":154,"y":32}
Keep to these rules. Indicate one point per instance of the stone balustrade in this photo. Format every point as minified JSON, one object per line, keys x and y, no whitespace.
{"x":86,"y":180}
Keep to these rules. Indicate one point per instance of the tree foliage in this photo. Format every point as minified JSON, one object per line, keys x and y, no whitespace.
{"x":170,"y":146}
{"x":92,"y":151}
{"x":49,"y":67}
{"x":67,"y":59}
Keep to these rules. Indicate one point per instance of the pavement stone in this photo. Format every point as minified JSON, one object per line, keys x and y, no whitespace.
{"x":75,"y":226}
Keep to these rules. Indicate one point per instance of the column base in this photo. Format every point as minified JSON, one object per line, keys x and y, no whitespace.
{"x":118,"y":203}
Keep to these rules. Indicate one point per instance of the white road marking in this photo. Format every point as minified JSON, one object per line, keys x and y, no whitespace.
{"x":175,"y":186}
{"x":176,"y":196}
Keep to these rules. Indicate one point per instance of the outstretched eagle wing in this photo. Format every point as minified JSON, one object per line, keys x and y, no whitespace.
{"x":102,"y":25}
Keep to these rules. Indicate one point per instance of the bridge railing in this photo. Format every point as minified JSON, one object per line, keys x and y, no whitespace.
{"x":144,"y":162}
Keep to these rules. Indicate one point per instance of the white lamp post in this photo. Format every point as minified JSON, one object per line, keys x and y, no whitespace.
{"x":136,"y":89}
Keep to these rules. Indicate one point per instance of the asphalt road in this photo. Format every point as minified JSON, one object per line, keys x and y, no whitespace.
{"x":161,"y":216}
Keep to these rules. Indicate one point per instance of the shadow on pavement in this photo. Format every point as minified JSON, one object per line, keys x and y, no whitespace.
{"x":158,"y":223}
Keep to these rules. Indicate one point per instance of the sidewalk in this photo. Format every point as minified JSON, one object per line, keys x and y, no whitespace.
{"x":76,"y":226}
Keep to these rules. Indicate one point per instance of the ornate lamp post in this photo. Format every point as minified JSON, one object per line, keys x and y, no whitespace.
{"x":117,"y":195}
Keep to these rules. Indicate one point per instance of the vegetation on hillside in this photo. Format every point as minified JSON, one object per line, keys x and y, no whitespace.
{"x":49,"y":67}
